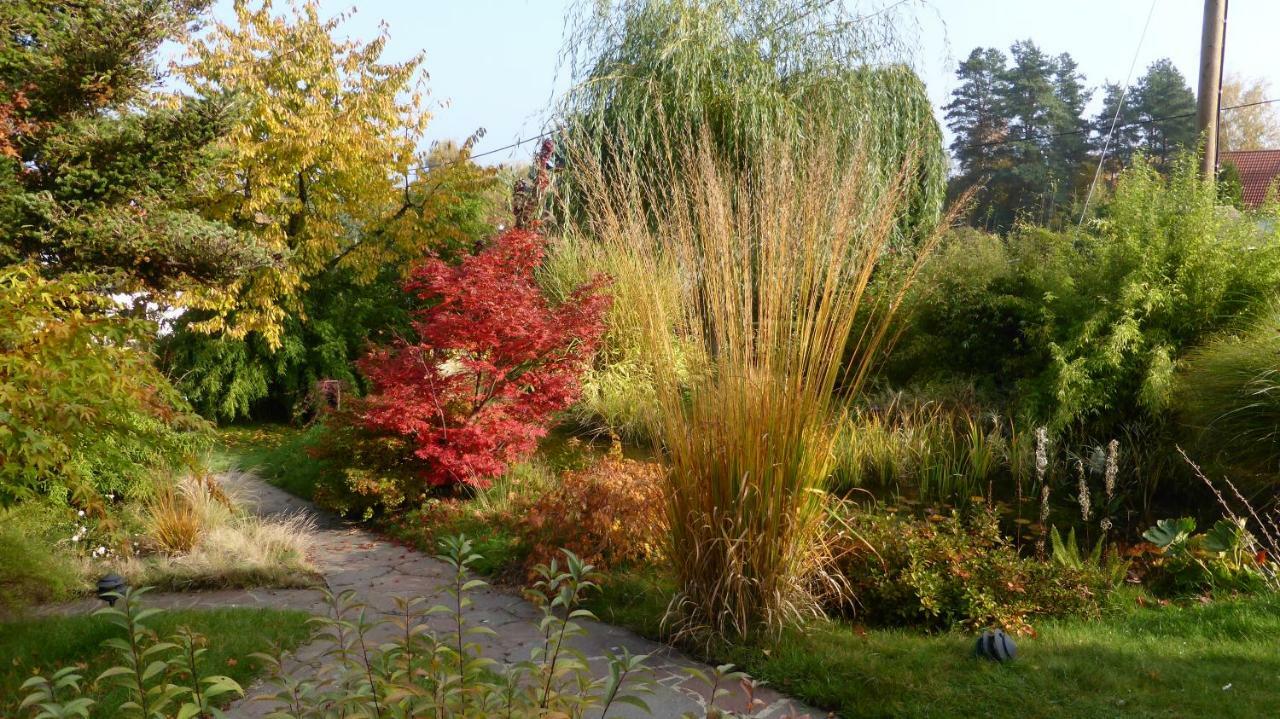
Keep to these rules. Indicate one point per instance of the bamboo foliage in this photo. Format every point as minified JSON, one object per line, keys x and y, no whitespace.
{"x":776,"y":261}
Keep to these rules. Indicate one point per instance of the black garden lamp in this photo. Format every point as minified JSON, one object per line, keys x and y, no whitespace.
{"x":996,"y":646}
{"x":109,"y":587}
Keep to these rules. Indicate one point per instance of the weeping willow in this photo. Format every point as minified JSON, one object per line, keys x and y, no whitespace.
{"x":751,"y":73}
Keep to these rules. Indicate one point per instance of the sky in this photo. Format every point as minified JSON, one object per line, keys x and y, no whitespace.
{"x":494,"y":64}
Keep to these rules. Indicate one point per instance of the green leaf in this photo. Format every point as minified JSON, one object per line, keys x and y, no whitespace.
{"x":1170,"y":533}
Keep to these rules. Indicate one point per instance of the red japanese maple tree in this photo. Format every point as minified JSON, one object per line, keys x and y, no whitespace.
{"x":493,"y":360}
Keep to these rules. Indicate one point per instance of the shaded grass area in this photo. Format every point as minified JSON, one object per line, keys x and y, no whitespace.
{"x":278,"y":453}
{"x":1193,"y":660}
{"x":47,"y":644}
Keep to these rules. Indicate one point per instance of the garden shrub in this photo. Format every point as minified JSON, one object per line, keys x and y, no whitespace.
{"x":229,"y":379}
{"x":360,"y":474}
{"x":618,"y":394}
{"x":954,"y":571}
{"x":84,"y":408}
{"x":1084,"y":329}
{"x":491,"y":363}
{"x":611,"y":513}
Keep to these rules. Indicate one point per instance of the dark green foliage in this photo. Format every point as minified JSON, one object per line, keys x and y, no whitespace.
{"x":1019,"y":133}
{"x":952,"y":572}
{"x":230,"y":379}
{"x":976,"y":116}
{"x":1125,"y":131}
{"x":1021,"y":137}
{"x":1158,"y":118}
{"x":1166,"y":106}
{"x":98,"y":173}
{"x":652,"y":74}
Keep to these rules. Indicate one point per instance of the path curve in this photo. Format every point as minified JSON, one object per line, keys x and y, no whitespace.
{"x":352,"y":558}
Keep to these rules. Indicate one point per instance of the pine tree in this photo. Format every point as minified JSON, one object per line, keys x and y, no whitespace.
{"x":1069,"y":146}
{"x":1166,"y":106}
{"x":975,"y":114}
{"x":1126,"y":137}
{"x":1019,"y":132}
{"x":976,"y":117}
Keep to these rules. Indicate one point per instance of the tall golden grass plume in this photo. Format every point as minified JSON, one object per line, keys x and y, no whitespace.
{"x":777,"y":258}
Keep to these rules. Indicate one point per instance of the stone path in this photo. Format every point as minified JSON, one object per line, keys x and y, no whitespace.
{"x":351,"y":558}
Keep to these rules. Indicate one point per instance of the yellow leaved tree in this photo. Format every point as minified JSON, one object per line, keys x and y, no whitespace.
{"x":321,"y":164}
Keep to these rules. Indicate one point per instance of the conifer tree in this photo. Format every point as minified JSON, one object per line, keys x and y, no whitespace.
{"x":99,"y":170}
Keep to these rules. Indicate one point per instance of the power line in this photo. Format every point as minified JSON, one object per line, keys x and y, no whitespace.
{"x":515,"y":144}
{"x":1068,"y":133}
{"x":1119,"y":106}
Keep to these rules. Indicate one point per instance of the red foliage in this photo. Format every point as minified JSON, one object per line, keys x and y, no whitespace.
{"x":492,"y":362}
{"x":12,"y":124}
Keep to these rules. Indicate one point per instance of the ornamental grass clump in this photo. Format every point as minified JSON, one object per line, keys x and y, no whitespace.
{"x":776,"y":263}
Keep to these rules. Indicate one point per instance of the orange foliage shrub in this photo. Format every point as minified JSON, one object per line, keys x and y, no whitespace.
{"x":610,"y":513}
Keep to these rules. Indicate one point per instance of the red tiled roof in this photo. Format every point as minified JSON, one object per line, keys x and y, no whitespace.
{"x":1258,"y":170}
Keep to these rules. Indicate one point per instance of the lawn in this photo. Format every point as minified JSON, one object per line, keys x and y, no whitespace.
{"x":47,"y":644}
{"x":1181,"y":660}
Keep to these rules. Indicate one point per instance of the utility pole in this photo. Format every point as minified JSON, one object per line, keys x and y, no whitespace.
{"x":1211,"y":44}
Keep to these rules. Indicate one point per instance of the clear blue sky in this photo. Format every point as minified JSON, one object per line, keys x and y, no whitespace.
{"x":494,"y":63}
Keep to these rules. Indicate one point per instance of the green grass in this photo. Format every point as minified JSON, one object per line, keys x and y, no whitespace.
{"x":275,"y":452}
{"x":1171,"y":661}
{"x":45,"y":645}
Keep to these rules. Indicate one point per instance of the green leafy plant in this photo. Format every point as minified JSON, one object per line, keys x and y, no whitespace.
{"x":45,"y":696}
{"x":1171,"y":534}
{"x":422,"y":673}
{"x":1082,"y":330}
{"x":1222,"y":558}
{"x":82,"y":407}
{"x":160,"y":678}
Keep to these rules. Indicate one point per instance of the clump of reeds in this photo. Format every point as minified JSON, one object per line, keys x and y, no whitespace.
{"x":776,"y":259}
